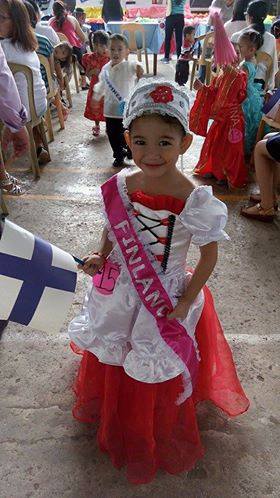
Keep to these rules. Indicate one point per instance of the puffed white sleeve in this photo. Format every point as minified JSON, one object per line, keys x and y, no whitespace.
{"x":205,"y":217}
{"x":99,"y":87}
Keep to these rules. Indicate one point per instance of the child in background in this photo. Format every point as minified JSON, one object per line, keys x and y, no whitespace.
{"x":63,"y":62}
{"x":182,"y":66}
{"x":116,"y":81}
{"x":93,"y":64}
{"x":151,"y":343}
{"x":249,"y":42}
{"x":80,"y":15}
{"x":222,"y":154}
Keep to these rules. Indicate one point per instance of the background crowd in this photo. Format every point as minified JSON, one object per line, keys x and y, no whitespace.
{"x":231,"y":102}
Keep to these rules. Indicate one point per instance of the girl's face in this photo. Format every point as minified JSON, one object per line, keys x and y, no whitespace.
{"x":118,"y":51}
{"x":247,"y":50}
{"x":6,"y":24}
{"x":249,"y":19}
{"x":61,"y":53}
{"x":156,"y":145}
{"x":100,"y":49}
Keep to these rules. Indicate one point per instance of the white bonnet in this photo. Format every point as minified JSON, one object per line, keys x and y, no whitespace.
{"x":157,"y":96}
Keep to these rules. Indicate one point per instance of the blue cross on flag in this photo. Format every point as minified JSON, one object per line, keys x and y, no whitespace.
{"x":37,"y":280}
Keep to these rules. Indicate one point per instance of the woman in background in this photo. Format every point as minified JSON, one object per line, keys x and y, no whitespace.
{"x":238,"y":21}
{"x":68,"y":25}
{"x":19,"y":45}
{"x":174,"y":22}
{"x":112,"y":10}
{"x":255,"y":16}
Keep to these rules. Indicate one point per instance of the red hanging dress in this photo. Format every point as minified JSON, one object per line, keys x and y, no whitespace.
{"x":140,"y":425}
{"x":222,"y":153}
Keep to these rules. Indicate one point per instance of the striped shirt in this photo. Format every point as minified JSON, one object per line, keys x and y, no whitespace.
{"x":45,"y":48}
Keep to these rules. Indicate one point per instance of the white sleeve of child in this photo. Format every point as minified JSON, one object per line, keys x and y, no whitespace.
{"x":99,"y":88}
{"x":133,"y":66}
{"x":204,"y":216}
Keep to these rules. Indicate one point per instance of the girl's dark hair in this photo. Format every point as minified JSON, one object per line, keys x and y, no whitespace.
{"x":100,"y":36}
{"x":188,"y":30}
{"x":31,"y":13}
{"x":22,"y":32}
{"x":239,"y":9}
{"x":35,"y":7}
{"x":66,"y":44}
{"x":60,"y":13}
{"x":170,"y":120}
{"x":258,"y":10}
{"x":119,"y":37}
{"x":253,"y":37}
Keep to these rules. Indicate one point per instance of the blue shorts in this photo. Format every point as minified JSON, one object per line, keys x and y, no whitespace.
{"x":273,"y":147}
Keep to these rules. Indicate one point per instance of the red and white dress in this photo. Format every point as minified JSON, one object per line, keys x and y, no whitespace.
{"x":130,"y":380}
{"x":94,"y":61}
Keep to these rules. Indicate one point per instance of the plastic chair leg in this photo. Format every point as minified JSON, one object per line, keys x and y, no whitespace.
{"x":260,"y":132}
{"x":194,"y":67}
{"x":68,"y":91}
{"x":3,"y":206}
{"x":49,"y":124}
{"x":208,"y":73}
{"x":33,"y":154}
{"x":76,"y":77}
{"x":58,"y":105}
{"x":147,"y":61}
{"x":44,"y":136}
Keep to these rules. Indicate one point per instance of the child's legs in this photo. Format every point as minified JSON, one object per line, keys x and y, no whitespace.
{"x":182,"y":72}
{"x":115,"y":132}
{"x":265,"y":170}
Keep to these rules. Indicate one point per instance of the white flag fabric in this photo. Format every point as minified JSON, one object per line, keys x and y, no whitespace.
{"x":37,"y":280}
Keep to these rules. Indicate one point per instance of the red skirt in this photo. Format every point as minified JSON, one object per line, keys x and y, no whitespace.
{"x":97,"y":114}
{"x":140,"y":425}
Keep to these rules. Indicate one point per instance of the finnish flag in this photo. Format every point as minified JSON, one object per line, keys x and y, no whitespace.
{"x":37,"y":280}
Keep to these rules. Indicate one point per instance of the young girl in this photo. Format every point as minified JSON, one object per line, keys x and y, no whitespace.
{"x":151,"y":341}
{"x":249,"y":42}
{"x":68,"y":25}
{"x":62,"y":61}
{"x":93,"y":64}
{"x":116,"y":80}
{"x":222,"y":154}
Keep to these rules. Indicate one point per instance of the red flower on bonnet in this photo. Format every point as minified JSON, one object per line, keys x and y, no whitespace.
{"x":162,"y":94}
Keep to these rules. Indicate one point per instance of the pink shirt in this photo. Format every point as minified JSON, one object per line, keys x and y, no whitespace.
{"x":68,"y":30}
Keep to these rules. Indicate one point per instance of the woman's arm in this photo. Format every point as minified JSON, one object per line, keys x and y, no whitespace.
{"x":78,"y":30}
{"x":203,"y":270}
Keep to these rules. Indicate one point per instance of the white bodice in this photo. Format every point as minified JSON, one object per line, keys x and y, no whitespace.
{"x":169,"y":233}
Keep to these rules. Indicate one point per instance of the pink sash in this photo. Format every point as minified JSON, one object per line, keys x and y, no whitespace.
{"x":147,"y":283}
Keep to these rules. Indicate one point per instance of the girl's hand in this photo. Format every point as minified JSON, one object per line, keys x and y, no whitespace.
{"x":197,"y":85}
{"x":181,"y":309}
{"x":92,"y":264}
